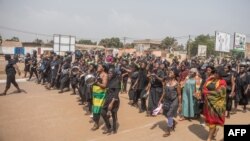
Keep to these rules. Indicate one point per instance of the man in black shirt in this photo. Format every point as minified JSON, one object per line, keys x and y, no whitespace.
{"x":10,"y":70}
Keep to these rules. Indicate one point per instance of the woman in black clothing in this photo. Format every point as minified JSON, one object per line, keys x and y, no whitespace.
{"x":27,"y":64}
{"x":156,"y":88}
{"x":141,"y":86}
{"x":242,"y":86}
{"x":112,"y":101}
{"x":64,"y":77}
{"x":133,"y":77}
{"x":171,"y":99}
{"x":33,"y":66}
{"x":10,"y":70}
{"x":230,"y":90}
{"x":87,"y":89}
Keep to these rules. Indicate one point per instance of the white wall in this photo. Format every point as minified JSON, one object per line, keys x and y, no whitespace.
{"x":142,"y":47}
{"x":7,"y":50}
{"x":45,"y":49}
{"x":29,"y":50}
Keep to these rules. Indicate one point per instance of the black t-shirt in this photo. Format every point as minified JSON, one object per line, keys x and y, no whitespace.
{"x":9,"y":69}
{"x":133,"y":77}
{"x":54,"y":65}
{"x":34,"y":62}
{"x":123,"y":72}
{"x":26,"y":61}
{"x":154,"y":81}
{"x":142,"y":79}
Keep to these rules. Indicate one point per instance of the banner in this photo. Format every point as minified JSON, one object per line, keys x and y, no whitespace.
{"x":202,"y":50}
{"x":222,"y":42}
{"x":239,"y":41}
{"x":63,"y":43}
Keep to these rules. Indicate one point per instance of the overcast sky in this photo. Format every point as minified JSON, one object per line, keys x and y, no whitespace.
{"x":137,"y":19}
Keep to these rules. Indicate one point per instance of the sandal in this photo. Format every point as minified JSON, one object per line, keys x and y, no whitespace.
{"x":182,"y":119}
{"x":95,"y":127}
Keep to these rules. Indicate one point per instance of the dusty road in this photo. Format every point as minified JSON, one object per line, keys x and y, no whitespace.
{"x":42,"y":115}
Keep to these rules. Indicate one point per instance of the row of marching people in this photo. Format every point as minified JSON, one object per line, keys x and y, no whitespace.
{"x":189,"y":89}
{"x":97,"y":83}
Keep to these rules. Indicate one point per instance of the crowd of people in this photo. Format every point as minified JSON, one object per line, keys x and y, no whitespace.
{"x":188,"y":89}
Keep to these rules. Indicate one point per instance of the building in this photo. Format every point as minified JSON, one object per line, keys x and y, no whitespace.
{"x":146,"y":44}
{"x":29,"y":47}
{"x":88,"y":47}
{"x":11,"y":47}
{"x":22,"y":48}
{"x":247,"y":51}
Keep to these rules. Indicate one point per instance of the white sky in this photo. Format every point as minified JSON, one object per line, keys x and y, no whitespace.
{"x":136,"y":19}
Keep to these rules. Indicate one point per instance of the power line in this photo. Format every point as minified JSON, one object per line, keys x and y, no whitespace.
{"x":23,"y":31}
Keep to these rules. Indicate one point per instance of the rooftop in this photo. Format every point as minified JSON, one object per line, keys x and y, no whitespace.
{"x":11,"y":44}
{"x":147,"y":41}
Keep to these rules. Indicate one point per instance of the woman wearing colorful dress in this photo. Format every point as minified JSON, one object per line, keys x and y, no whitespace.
{"x":214,"y":91}
{"x":99,"y":94}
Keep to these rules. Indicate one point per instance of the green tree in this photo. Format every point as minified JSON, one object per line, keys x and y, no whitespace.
{"x":38,"y":41}
{"x":169,"y":42}
{"x":16,"y":39}
{"x":129,"y":45}
{"x":207,"y":40}
{"x":111,"y":42}
{"x":86,"y":42}
{"x":237,"y":54}
{"x":1,"y":40}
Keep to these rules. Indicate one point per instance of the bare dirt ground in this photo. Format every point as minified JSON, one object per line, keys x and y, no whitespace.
{"x":42,"y":115}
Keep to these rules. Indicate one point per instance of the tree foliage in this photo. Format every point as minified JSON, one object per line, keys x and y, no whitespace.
{"x":1,"y":40}
{"x":111,"y":42}
{"x":38,"y":41}
{"x":16,"y":39}
{"x":237,"y":54}
{"x":169,"y":42}
{"x":86,"y":42}
{"x":207,"y":40}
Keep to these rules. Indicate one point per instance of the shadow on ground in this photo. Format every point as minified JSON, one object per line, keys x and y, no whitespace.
{"x":161,"y":124}
{"x":199,"y":131}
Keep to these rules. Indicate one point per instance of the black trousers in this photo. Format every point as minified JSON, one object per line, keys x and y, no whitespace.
{"x":53,"y":81}
{"x":64,"y":82}
{"x":33,"y":70}
{"x":154,"y":97}
{"x":11,"y":78}
{"x":96,"y":118}
{"x":41,"y":76}
{"x":90,"y":104}
{"x":106,"y":119}
{"x":124,"y":82}
{"x":229,"y":102}
{"x":140,"y":93}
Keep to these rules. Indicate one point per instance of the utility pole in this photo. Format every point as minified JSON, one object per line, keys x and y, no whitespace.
{"x":188,"y":47}
{"x":124,"y":41}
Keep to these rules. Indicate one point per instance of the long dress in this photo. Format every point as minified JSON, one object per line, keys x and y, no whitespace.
{"x":215,"y":102}
{"x":189,"y":102}
{"x":170,"y":101}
